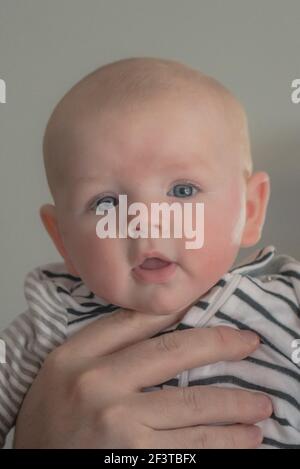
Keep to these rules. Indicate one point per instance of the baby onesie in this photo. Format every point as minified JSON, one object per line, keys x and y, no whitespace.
{"x":262,"y":295}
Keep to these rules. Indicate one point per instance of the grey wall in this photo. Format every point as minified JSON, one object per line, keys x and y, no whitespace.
{"x":46,"y":46}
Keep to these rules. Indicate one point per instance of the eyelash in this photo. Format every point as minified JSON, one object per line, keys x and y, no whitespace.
{"x":97,"y":200}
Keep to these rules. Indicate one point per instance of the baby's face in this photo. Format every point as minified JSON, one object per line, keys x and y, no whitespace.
{"x":149,"y":154}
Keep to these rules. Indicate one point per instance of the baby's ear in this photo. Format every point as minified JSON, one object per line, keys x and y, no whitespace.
{"x":258,"y":194}
{"x":49,"y":220}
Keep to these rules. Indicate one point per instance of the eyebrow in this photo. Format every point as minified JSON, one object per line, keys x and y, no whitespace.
{"x":85,"y":179}
{"x":169,"y":167}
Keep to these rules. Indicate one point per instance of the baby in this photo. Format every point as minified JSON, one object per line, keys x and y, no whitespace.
{"x":158,"y":131}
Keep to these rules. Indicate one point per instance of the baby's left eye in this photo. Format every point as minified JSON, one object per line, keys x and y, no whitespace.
{"x":184,"y":190}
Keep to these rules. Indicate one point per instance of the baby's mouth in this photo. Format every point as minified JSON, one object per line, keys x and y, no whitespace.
{"x":152,"y":263}
{"x":154,"y":270}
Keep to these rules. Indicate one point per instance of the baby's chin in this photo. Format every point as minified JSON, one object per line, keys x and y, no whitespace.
{"x":159,"y":309}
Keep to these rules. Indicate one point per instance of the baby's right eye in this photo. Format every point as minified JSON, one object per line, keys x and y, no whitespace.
{"x":105,"y":203}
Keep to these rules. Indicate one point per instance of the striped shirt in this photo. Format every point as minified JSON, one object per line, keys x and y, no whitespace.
{"x":262,"y":295}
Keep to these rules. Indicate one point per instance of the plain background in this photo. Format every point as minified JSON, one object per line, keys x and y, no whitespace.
{"x":48,"y":45}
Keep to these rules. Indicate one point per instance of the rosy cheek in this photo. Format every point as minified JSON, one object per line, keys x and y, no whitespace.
{"x":81,"y":245}
{"x":93,"y":250}
{"x":222,"y":228}
{"x":225,"y":217}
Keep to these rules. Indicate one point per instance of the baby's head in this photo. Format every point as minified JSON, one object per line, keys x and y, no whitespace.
{"x":157,"y":131}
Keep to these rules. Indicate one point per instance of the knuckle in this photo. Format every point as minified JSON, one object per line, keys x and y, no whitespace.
{"x":239,"y":401}
{"x":168,"y":342}
{"x":231,"y":440}
{"x":83,"y":384}
{"x":203,"y":440}
{"x":115,"y":419}
{"x":222,"y":336}
{"x":111,"y":416}
{"x":242,"y":402}
{"x":191,"y":398}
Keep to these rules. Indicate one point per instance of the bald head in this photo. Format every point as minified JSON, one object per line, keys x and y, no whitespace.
{"x":132,"y":82}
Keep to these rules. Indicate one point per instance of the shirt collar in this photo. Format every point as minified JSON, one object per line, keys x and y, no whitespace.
{"x":212,"y":300}
{"x":257,"y":260}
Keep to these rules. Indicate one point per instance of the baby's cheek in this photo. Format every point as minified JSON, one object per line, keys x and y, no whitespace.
{"x":220,"y":242}
{"x":97,"y":255}
{"x":103,"y":269}
{"x":225,"y":217}
{"x":85,"y":250}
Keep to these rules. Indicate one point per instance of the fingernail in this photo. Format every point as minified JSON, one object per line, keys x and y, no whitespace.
{"x":250,"y":337}
{"x":264,"y":403}
{"x":255,"y":434}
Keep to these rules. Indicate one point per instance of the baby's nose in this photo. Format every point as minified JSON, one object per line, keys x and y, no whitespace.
{"x":144,"y":226}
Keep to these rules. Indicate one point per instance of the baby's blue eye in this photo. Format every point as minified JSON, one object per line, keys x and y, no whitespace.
{"x":180,"y":190}
{"x":184,"y":190}
{"x":106,"y":202}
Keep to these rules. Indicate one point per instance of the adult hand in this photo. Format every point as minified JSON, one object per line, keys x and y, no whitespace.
{"x":88,"y":393}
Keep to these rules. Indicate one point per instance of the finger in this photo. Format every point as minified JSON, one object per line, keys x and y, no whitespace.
{"x":198,"y":405}
{"x":116,"y":331}
{"x":204,"y":437}
{"x":156,"y":360}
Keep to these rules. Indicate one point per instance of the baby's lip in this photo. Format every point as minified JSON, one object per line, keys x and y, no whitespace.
{"x":147,"y":255}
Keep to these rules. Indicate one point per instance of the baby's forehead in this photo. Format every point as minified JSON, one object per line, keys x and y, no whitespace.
{"x":129,"y":84}
{"x":123,"y":89}
{"x":164,"y":129}
{"x":147,"y":165}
